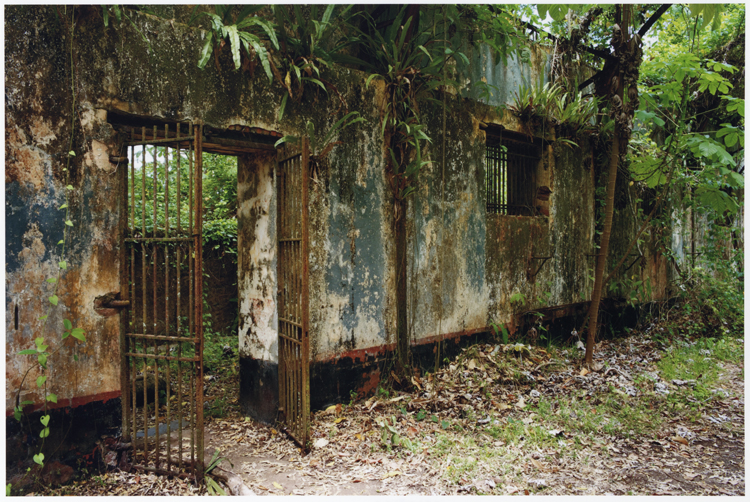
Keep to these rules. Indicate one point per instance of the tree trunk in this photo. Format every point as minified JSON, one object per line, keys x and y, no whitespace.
{"x":601,"y":258}
{"x":619,"y":136}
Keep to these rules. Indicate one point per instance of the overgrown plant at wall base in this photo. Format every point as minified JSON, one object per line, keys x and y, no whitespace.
{"x":40,"y":350}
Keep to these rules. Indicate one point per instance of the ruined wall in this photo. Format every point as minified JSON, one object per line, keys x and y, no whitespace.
{"x":464,"y":264}
{"x":256,"y":263}
{"x":117,"y":71}
{"x":448,"y":293}
{"x":38,"y":136}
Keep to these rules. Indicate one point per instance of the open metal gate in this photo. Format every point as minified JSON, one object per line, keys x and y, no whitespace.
{"x":293,"y":301}
{"x":161,"y":341}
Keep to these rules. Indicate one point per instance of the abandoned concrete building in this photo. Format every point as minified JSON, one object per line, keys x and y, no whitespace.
{"x":316,"y":264}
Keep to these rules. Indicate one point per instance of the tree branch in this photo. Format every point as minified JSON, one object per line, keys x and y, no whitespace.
{"x":654,"y":17}
{"x":647,"y":26}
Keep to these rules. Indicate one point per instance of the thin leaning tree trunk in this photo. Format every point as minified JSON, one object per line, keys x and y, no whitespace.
{"x":601,"y":258}
{"x":609,"y":208}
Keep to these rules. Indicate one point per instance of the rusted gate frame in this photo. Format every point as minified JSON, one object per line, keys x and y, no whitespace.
{"x":135,"y":346}
{"x":293,"y":291}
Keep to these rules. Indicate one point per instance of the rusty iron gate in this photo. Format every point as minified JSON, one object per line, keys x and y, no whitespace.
{"x":161,"y":341}
{"x":293,"y":302}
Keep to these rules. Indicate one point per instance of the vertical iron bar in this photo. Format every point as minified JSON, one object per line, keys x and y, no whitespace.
{"x":191,"y":297}
{"x":154,"y":283}
{"x":179,"y":303}
{"x":144,"y":314}
{"x":130,"y":398}
{"x":305,"y":294}
{"x":123,"y":227}
{"x":166,"y":301}
{"x":199,"y":292}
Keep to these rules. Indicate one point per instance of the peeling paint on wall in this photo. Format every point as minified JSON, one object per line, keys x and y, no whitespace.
{"x":256,"y":261}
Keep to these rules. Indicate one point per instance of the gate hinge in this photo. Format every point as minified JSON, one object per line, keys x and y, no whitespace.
{"x":109,"y":304}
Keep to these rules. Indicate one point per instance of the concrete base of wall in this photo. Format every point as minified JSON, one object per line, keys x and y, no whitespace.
{"x":72,"y":438}
{"x":335,"y":380}
{"x":259,"y":389}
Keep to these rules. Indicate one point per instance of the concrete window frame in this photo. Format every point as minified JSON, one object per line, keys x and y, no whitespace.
{"x":511,"y":163}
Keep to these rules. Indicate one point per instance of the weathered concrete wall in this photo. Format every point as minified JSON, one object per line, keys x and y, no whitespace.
{"x":116,"y":71}
{"x":464,"y":264}
{"x":448,"y":292}
{"x":38,"y":136}
{"x":256,"y":252}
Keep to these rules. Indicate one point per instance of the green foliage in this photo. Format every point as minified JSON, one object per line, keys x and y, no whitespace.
{"x":539,"y":108}
{"x":500,"y":331}
{"x":219,"y":196}
{"x":213,"y":487}
{"x":308,"y":44}
{"x":715,"y":305}
{"x":244,"y":31}
{"x":407,"y":57}
{"x":519,"y":299}
{"x":321,"y":147}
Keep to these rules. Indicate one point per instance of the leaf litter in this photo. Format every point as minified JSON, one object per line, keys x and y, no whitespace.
{"x":500,"y":419}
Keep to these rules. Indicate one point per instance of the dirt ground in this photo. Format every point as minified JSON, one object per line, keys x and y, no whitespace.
{"x":498,"y":420}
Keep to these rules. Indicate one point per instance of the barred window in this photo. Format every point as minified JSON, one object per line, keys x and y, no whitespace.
{"x":510,"y":174}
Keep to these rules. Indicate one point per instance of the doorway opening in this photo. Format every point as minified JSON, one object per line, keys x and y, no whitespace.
{"x":199,"y":280}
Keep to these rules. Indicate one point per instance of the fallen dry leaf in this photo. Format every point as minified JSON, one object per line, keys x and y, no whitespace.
{"x":680,"y":439}
{"x":392,"y":474}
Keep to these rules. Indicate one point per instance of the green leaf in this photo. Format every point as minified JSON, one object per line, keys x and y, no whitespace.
{"x":66,"y":334}
{"x":42,"y":318}
{"x":206,"y":51}
{"x":369,"y":79}
{"x":39,"y":458}
{"x":63,"y":264}
{"x":283,"y":106}
{"x":735,"y":180}
{"x":75,"y":357}
{"x":45,"y":420}
{"x":27,"y":352}
{"x":731,"y":139}
{"x":69,"y":187}
{"x":716,"y":199}
{"x":53,"y":299}
{"x":61,"y":242}
{"x":286,"y":139}
{"x":52,"y":397}
{"x":68,"y":325}
{"x":42,"y":358}
{"x":52,"y":279}
{"x":69,"y":223}
{"x":40,"y":381}
{"x":78,"y":334}
{"x":234,"y":44}
{"x":64,"y":206}
{"x":558,"y":12}
{"x":44,"y":433}
{"x":72,"y":153}
{"x":505,"y":333}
